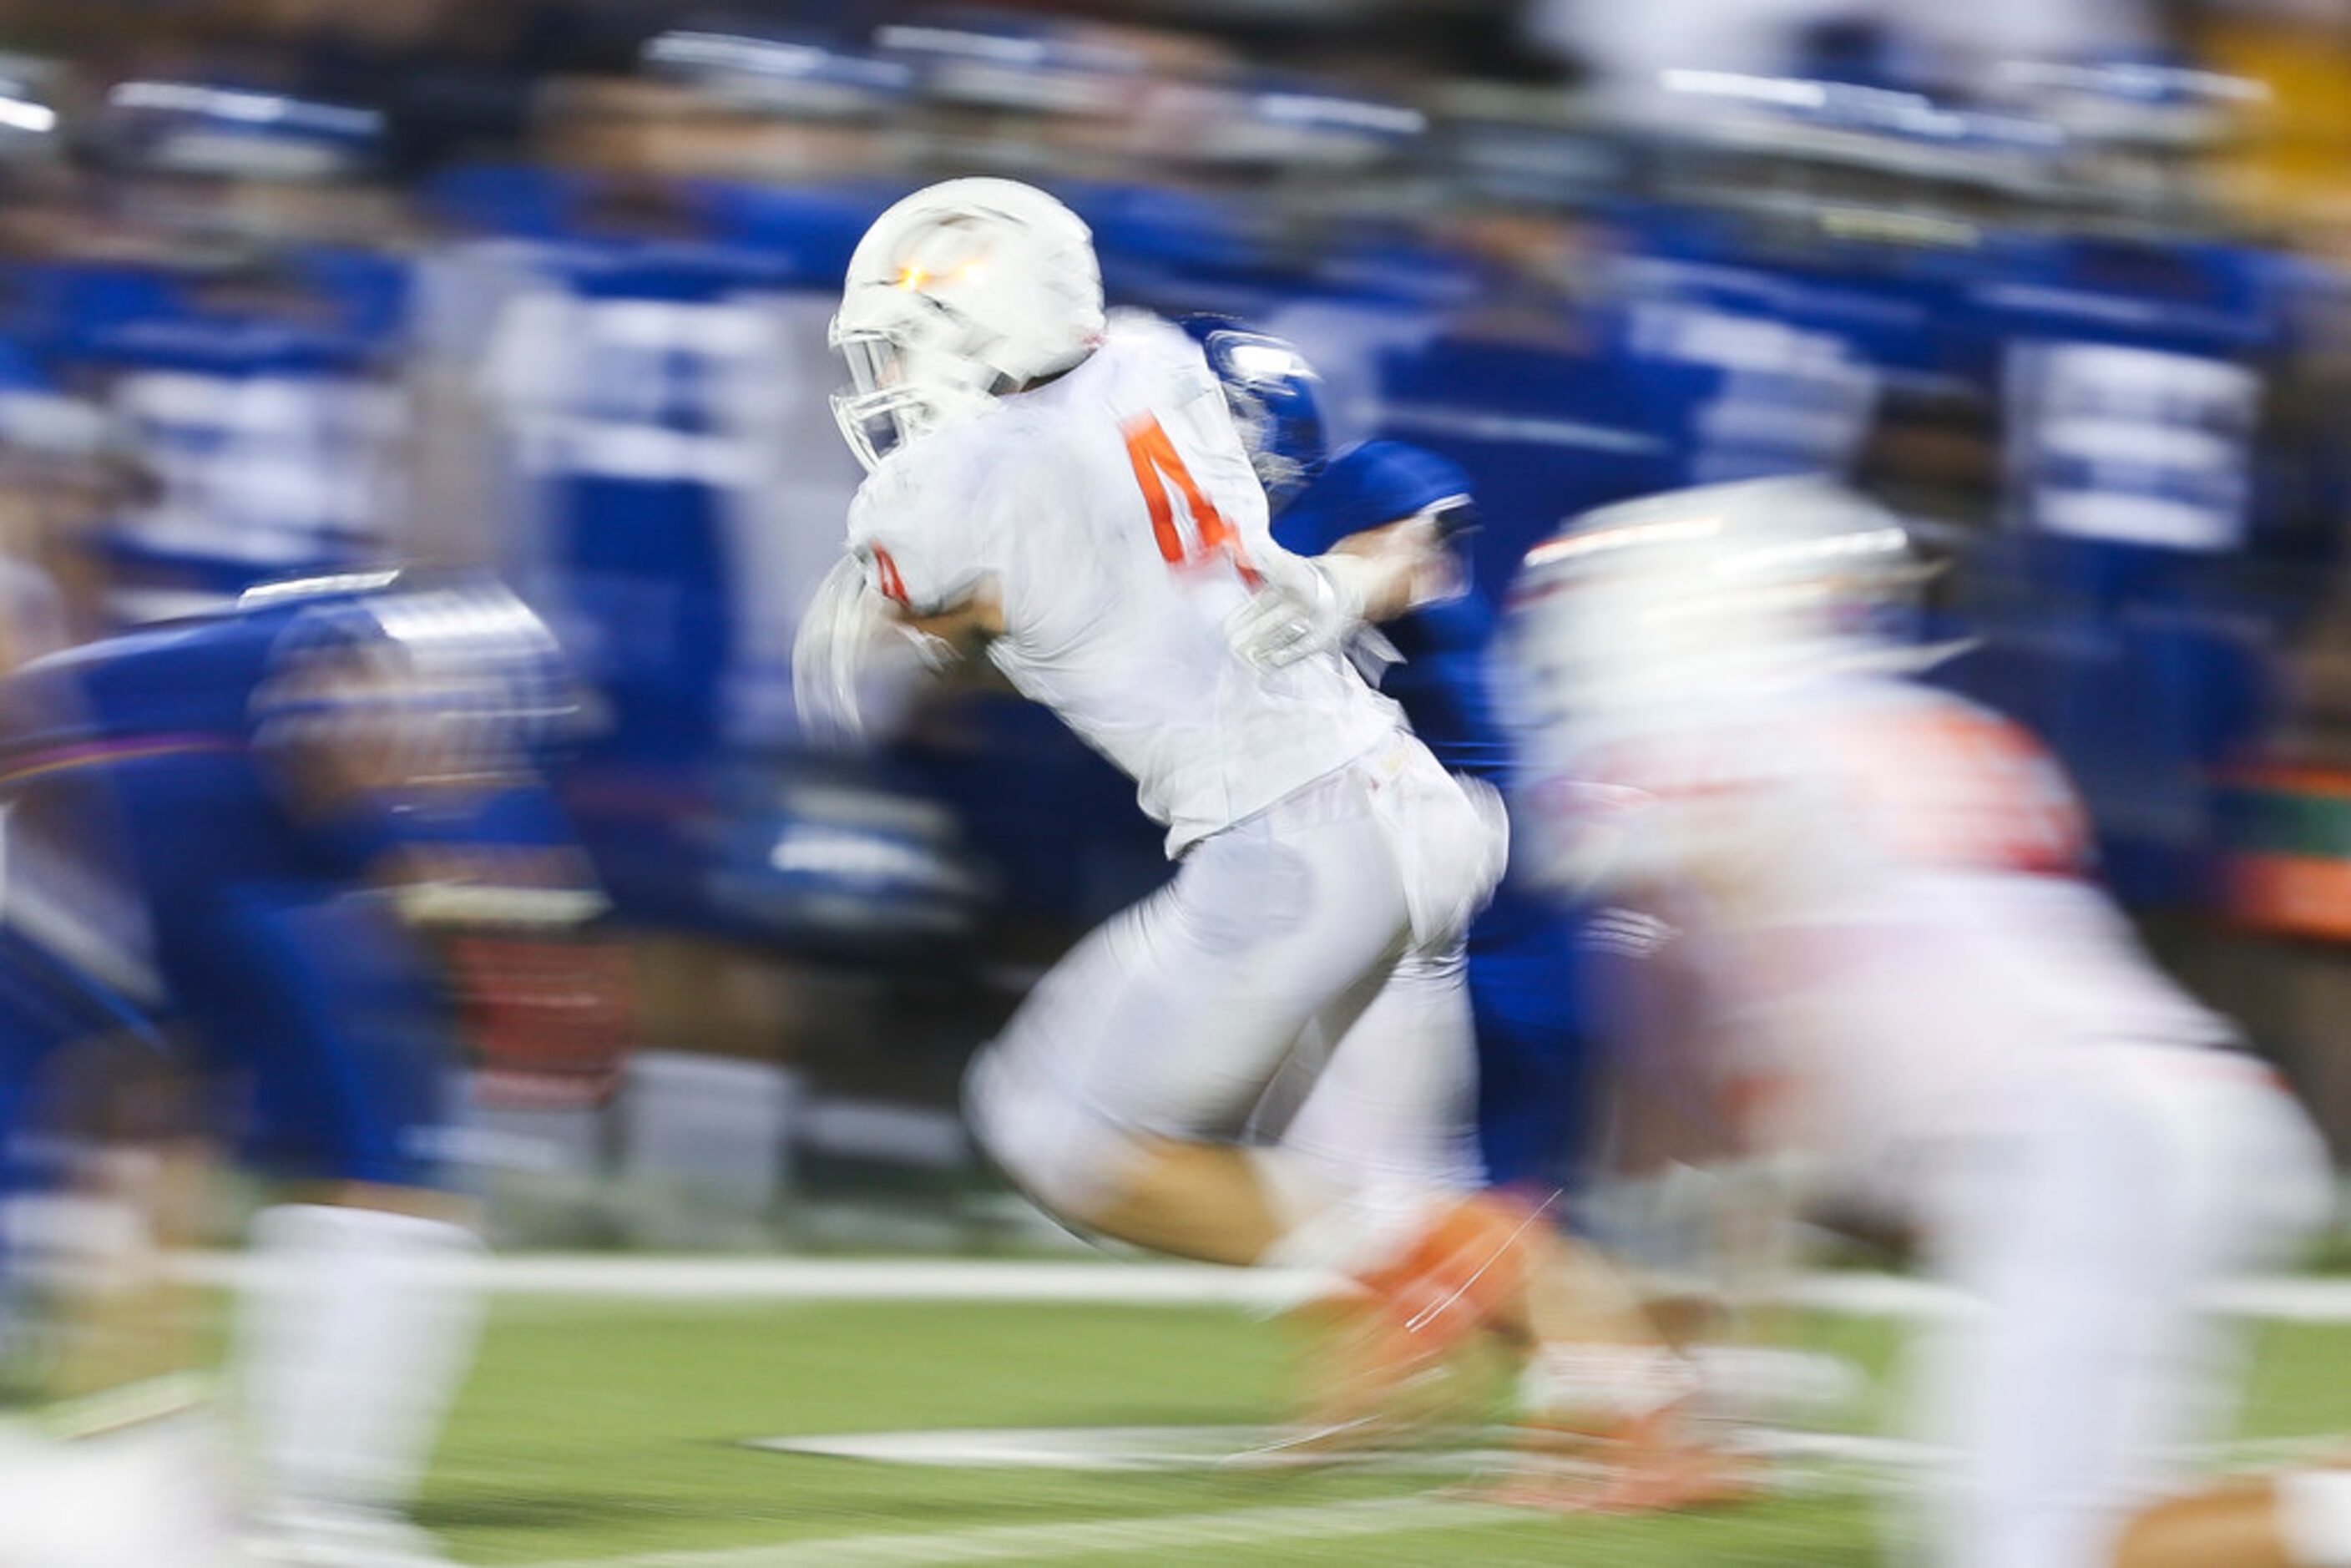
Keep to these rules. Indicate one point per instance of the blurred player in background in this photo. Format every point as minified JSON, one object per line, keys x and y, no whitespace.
{"x":223,"y":283}
{"x":2168,"y":461}
{"x":620,"y":359}
{"x":1067,"y":493}
{"x":637,"y":324}
{"x":1926,"y":998}
{"x":324,"y":807}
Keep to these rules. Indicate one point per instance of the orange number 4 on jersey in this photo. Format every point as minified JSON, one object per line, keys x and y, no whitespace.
{"x":1156,"y":462}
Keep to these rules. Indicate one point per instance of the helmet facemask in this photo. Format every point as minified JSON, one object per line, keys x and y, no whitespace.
{"x":902,"y":386}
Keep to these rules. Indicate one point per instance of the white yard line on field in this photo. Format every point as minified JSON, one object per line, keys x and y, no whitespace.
{"x":623,"y":1278}
{"x":1039,"y":1542}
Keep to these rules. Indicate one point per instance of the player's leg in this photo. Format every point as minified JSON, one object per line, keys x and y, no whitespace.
{"x":1382,"y":1112}
{"x":2301,"y":1519}
{"x":1387,"y":1104}
{"x":2134,"y":1177}
{"x":1367,"y":1131}
{"x":361,"y":1319}
{"x":124,"y":1463}
{"x":1115,"y":1096}
{"x":1389,"y":1116}
{"x":1118,"y":1095}
{"x":101,"y":1169}
{"x":1534,"y":1051}
{"x":2290,"y":1521}
{"x":1600,"y":1362}
{"x":1385,"y":1112}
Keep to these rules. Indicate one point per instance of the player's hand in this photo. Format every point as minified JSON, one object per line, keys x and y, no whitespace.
{"x":1312,"y":608}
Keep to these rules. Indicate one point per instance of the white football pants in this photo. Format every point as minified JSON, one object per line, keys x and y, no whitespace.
{"x":2128,"y":1179}
{"x":1290,"y":941}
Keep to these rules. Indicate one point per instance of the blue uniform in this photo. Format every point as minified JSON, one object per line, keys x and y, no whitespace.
{"x":1532,"y":1051}
{"x":2167,"y":513}
{"x":167,"y":766}
{"x":663,"y":421}
{"x":269,"y":423}
{"x":657,"y":379}
{"x":632,"y":376}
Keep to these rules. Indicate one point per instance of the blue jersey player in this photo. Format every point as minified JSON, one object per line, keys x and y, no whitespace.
{"x":323,"y":806}
{"x":236,"y":308}
{"x":1386,"y":500}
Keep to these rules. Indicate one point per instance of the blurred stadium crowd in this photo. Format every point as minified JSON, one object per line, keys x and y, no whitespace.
{"x":539,"y":289}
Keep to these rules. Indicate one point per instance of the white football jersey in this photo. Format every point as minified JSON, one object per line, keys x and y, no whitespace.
{"x":1894,"y":884}
{"x":1117,"y":517}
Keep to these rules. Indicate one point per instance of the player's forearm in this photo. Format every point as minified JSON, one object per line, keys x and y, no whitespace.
{"x":1398,"y":568}
{"x":859,"y":652}
{"x":965,"y":627}
{"x":1385,"y":582}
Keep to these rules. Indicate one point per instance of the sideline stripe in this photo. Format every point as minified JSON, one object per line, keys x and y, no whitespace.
{"x":1036,"y":1543}
{"x":623,"y":1278}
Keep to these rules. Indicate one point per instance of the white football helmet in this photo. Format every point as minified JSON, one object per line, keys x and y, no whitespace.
{"x":959,"y":292}
{"x":1689,"y":593}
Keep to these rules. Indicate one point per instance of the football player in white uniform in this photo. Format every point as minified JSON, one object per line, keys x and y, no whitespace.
{"x":1066,"y":490}
{"x":1931,"y":1003}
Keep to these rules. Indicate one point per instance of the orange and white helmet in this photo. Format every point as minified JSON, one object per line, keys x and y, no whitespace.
{"x":960,"y":292}
{"x":1693,"y":592}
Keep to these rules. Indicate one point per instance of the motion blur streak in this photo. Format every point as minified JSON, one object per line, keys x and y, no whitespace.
{"x":1600,"y":685}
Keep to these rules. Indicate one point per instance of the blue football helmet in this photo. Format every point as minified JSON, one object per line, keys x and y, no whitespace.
{"x":448,"y":672}
{"x":1273,"y":393}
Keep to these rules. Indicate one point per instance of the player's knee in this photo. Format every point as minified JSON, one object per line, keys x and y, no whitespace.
{"x":1042,"y":1136}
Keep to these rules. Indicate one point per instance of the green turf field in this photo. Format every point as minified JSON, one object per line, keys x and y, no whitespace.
{"x":601,"y":1432}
